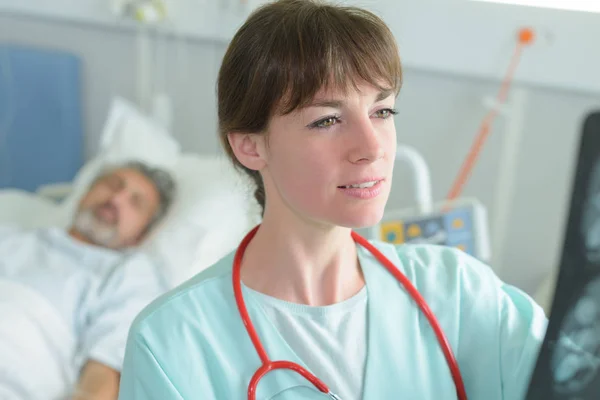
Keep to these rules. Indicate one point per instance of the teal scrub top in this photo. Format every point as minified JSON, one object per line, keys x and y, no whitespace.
{"x":192,"y":344}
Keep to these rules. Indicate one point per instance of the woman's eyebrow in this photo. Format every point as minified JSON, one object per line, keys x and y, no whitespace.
{"x":334,"y":103}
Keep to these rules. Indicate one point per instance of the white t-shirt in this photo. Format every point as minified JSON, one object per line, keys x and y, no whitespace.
{"x":330,"y":340}
{"x":98,"y":292}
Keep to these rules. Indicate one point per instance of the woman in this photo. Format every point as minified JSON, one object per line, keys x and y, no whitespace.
{"x":306,"y":97}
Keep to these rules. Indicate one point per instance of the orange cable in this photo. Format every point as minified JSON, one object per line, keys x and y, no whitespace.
{"x":526,"y":36}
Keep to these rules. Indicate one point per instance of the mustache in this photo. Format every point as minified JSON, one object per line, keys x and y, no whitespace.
{"x":95,"y":230}
{"x":107,"y":212}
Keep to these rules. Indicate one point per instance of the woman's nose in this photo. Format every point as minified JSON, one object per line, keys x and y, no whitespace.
{"x":367,"y":146}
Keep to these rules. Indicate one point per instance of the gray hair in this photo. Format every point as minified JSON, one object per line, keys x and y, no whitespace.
{"x":161,"y":179}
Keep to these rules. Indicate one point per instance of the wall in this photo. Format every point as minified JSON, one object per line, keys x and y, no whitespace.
{"x":460,"y":36}
{"x":439,"y":114}
{"x":476,"y":39}
{"x":110,"y":68}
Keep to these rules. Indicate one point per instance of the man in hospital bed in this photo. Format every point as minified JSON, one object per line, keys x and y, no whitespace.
{"x":68,"y":297}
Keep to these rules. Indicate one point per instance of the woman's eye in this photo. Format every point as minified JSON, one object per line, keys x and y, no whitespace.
{"x":325,"y":123}
{"x":385,"y":113}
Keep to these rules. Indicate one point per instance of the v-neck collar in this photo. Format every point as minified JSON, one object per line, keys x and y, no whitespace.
{"x":385,"y":300}
{"x":403,"y":353}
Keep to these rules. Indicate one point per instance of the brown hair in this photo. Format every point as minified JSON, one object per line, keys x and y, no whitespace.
{"x":287,"y":51}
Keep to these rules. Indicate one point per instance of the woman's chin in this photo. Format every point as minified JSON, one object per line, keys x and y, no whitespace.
{"x":361,"y":220}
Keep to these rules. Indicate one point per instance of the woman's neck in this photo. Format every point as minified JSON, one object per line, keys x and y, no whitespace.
{"x":304,"y":263}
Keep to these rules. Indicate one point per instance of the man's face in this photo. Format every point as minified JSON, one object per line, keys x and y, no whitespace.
{"x":117,"y":209}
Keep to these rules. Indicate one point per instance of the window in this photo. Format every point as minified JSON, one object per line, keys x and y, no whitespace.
{"x":573,"y":5}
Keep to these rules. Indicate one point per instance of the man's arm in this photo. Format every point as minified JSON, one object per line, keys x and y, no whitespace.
{"x":126,"y":289}
{"x":97,"y":382}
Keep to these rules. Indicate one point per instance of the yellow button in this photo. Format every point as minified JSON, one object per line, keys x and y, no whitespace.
{"x":458,"y":223}
{"x":414,"y":231}
{"x":462,"y":247}
{"x":392,"y":232}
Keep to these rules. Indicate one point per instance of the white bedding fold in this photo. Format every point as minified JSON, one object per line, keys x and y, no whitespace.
{"x":36,"y":346}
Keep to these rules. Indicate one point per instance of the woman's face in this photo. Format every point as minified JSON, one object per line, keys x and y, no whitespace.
{"x":332,"y":162}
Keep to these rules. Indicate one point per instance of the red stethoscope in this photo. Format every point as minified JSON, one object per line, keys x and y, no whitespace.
{"x":268,"y":365}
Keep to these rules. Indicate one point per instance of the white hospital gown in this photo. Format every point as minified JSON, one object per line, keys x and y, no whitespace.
{"x":94,"y":292}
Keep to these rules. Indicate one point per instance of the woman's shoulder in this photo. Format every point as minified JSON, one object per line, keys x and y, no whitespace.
{"x":446,"y":274}
{"x":453,"y":278}
{"x":445,"y":260}
{"x":439,"y":262}
{"x":202,"y":294}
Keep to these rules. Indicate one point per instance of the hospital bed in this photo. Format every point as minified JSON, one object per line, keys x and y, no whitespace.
{"x":43,"y":178}
{"x":462,"y":223}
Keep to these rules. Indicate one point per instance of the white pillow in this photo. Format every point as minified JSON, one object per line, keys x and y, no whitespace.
{"x":27,"y":210}
{"x":130,"y":134}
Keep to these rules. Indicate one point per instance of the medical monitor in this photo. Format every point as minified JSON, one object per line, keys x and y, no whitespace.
{"x":463,"y":225}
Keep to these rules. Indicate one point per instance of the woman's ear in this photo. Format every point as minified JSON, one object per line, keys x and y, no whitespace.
{"x":249,"y":149}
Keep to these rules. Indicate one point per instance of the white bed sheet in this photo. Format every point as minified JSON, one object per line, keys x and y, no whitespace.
{"x":35,"y":346}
